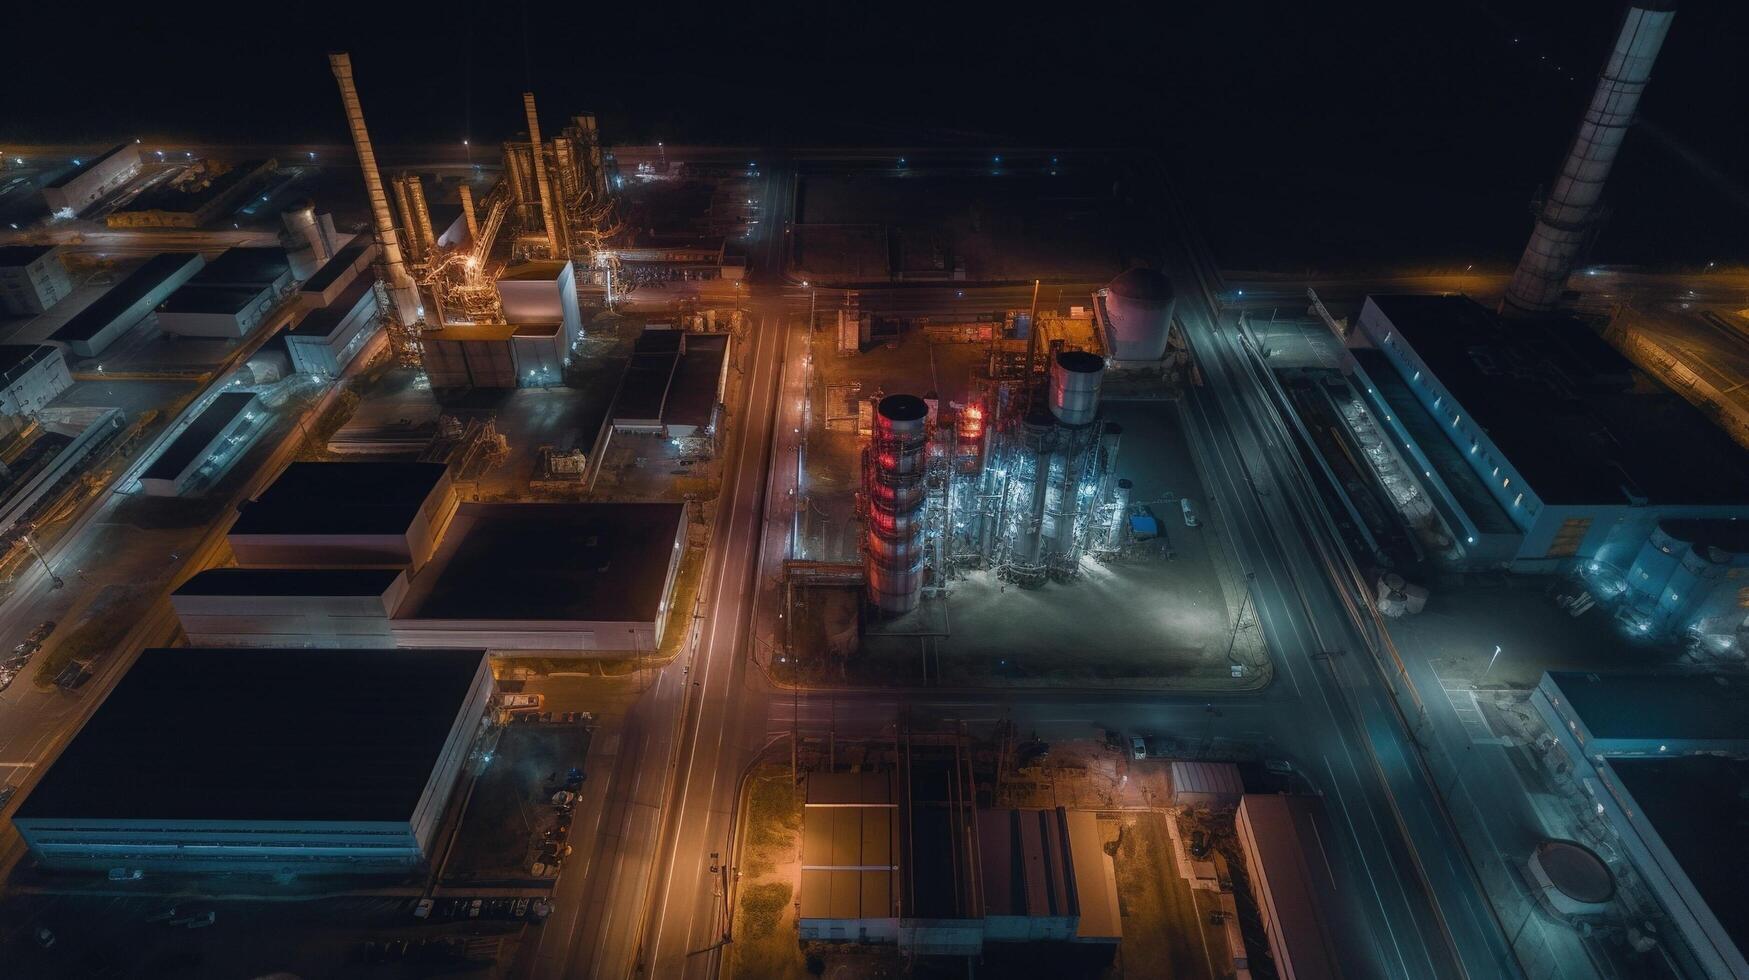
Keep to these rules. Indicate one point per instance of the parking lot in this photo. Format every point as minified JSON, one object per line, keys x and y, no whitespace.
{"x":513,"y":833}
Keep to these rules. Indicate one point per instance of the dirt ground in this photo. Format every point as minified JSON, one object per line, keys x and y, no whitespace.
{"x":770,"y":862}
{"x":508,"y":810}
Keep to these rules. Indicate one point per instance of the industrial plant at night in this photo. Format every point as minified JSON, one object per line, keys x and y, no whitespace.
{"x":1215,"y":493}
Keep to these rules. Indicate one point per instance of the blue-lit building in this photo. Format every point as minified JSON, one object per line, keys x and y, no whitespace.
{"x":1546,"y":451}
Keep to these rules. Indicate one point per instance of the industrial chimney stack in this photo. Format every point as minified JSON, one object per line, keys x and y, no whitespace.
{"x":401,"y":288}
{"x":1571,"y":208}
{"x":540,"y":175}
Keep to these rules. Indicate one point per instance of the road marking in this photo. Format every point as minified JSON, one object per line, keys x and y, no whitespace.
{"x":1367,"y":865}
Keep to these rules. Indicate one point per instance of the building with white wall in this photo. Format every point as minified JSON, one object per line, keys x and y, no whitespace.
{"x":339,"y":515}
{"x":32,"y":278}
{"x":209,"y":760}
{"x":205,"y":448}
{"x":327,"y":339}
{"x":338,"y":274}
{"x":542,"y":292}
{"x":290,"y":607}
{"x":31,"y":375}
{"x":1664,"y":759}
{"x":1552,"y":453}
{"x":109,"y":317}
{"x":91,"y":178}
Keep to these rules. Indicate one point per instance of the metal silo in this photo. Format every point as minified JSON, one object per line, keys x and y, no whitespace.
{"x":1120,"y":515}
{"x":1075,"y":380}
{"x":893,"y":552}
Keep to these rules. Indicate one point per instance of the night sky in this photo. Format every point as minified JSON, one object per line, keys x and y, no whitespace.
{"x":1394,"y":117}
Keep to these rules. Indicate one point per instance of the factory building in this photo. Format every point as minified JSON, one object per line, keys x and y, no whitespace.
{"x":902,"y":856}
{"x":311,"y":239}
{"x":495,"y":355}
{"x":327,"y":339}
{"x":570,"y":578}
{"x":560,"y":579}
{"x":1134,"y":317}
{"x":256,"y":761}
{"x":337,"y":273}
{"x":91,"y":178}
{"x":542,"y":292}
{"x":290,"y":607}
{"x":91,"y":330}
{"x":230,"y":297}
{"x":673,"y":385}
{"x":207,"y":446}
{"x":338,"y":515}
{"x":31,"y":375}
{"x":850,"y":858}
{"x":1547,"y":452}
{"x":1664,"y":760}
{"x":198,"y":198}
{"x":32,"y":279}
{"x":1290,"y":879}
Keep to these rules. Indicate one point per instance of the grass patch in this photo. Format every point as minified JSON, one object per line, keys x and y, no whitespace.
{"x":115,"y":611}
{"x":761,"y":908}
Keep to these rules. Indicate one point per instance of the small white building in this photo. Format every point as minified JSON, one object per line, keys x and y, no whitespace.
{"x":207,"y":446}
{"x":31,"y":375}
{"x":91,"y":178}
{"x":32,"y":278}
{"x":327,"y":339}
{"x":542,"y":292}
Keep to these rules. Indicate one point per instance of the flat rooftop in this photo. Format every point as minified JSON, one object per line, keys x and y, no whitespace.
{"x":1699,"y":805}
{"x":324,"y":321}
{"x":550,"y":561}
{"x":473,"y":332}
{"x":1568,"y":410}
{"x":250,"y":734}
{"x":86,"y":165}
{"x":16,"y":360}
{"x":290,"y":582}
{"x":537,"y":270}
{"x":376,"y":497}
{"x":197,"y":297}
{"x":336,"y":266}
{"x":255,"y":266}
{"x":1466,"y":487}
{"x":1664,"y":706}
{"x":87,"y":323}
{"x":692,"y":395}
{"x":19,"y":256}
{"x":194,"y":440}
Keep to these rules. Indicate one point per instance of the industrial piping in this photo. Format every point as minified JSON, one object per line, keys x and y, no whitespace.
{"x":540,"y":175}
{"x":400,"y":284}
{"x":1571,"y":210}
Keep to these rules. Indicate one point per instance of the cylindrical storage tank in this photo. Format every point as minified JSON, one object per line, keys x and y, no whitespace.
{"x":1120,"y":514}
{"x":300,"y":224}
{"x":1075,"y":380}
{"x":1138,"y":314}
{"x":893,"y":549}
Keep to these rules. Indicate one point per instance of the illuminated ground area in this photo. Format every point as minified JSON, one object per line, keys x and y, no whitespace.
{"x":1164,"y":609}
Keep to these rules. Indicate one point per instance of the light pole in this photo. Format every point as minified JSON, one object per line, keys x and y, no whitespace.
{"x":1491,"y":660}
{"x":1239,"y":620}
{"x":31,"y":544}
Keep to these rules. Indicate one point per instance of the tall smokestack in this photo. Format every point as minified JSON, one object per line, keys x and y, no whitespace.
{"x":401,"y":287}
{"x":467,"y":195}
{"x":1571,"y":208}
{"x":421,"y":217}
{"x":540,"y":174}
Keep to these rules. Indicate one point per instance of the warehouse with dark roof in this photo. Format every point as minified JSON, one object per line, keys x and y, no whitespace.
{"x":296,"y":761}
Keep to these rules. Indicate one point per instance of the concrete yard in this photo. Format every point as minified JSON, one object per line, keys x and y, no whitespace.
{"x":1161,"y":611}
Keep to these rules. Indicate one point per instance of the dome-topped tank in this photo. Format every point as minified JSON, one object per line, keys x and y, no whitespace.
{"x":1138,"y":312}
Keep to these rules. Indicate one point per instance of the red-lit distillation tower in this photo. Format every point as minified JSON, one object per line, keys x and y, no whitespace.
{"x":893,"y":467}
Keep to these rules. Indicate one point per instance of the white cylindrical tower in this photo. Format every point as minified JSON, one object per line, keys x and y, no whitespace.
{"x":1075,"y":379}
{"x":1570,"y":211}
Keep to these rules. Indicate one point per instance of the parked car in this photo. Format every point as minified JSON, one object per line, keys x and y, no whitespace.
{"x":519,"y":908}
{"x":474,"y":908}
{"x":126,"y":874}
{"x":1281,"y":767}
{"x":422,"y":910}
{"x":1189,"y":512}
{"x":1138,"y":747}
